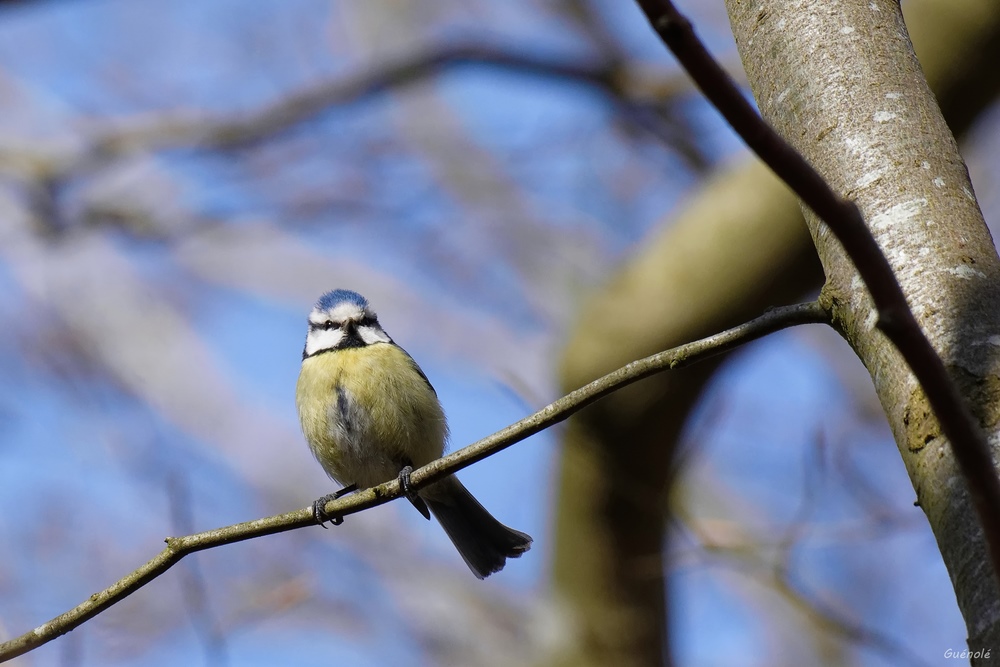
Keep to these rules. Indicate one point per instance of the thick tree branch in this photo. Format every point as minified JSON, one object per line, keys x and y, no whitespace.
{"x":844,"y":219}
{"x":558,"y":411}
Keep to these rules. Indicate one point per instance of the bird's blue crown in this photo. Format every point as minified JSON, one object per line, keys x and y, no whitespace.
{"x":338,"y":296}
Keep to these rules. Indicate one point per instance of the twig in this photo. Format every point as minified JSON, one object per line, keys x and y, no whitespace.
{"x":178,"y":547}
{"x":895,"y":319}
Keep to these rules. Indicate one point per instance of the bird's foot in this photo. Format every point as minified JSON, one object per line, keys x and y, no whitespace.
{"x":319,"y":507}
{"x":411,"y":495}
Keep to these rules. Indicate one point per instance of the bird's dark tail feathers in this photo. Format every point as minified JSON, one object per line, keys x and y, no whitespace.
{"x":483,"y":542}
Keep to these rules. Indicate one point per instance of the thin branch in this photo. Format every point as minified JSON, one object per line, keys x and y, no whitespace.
{"x":895,"y":320}
{"x":558,"y":411}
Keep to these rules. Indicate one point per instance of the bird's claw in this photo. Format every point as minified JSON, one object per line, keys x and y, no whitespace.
{"x":319,"y":512}
{"x":404,"y":482}
{"x":319,"y":507}
{"x":411,"y":495}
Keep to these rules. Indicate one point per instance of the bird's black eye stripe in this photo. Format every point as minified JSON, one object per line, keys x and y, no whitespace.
{"x":330,"y":325}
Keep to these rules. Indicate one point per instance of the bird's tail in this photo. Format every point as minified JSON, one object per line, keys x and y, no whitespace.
{"x":484,"y":543}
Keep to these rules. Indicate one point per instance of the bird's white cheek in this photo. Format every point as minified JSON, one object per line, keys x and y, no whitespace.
{"x":372,"y":335}
{"x":322,"y":339}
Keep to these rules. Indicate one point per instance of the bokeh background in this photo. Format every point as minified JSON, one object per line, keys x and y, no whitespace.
{"x":180,"y":180}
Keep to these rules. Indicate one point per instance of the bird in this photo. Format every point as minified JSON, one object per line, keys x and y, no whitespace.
{"x":369,"y":414}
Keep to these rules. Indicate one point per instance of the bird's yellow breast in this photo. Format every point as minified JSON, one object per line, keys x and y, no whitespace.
{"x":367,"y":411}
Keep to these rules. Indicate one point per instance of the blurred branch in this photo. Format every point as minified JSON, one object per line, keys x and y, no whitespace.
{"x":184,"y":130}
{"x":587,"y":18}
{"x":300,"y":106}
{"x":554,"y":413}
{"x":844,"y":219}
{"x":728,"y":543}
{"x":779,"y":577}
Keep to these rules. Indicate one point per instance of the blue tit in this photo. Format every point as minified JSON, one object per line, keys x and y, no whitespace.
{"x":369,"y":415}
